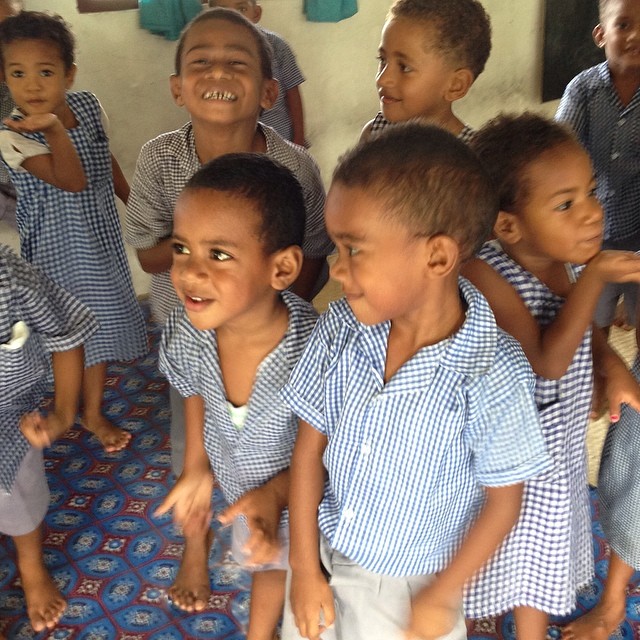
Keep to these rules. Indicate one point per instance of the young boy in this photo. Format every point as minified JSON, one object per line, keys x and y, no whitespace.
{"x":418,"y":424}
{"x":602,"y":104}
{"x":286,"y":116}
{"x":223,"y":78}
{"x":37,"y":317}
{"x":430,"y":54}
{"x":238,"y":228}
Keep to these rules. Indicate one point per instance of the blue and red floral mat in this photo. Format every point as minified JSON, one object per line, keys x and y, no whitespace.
{"x":114,"y":561}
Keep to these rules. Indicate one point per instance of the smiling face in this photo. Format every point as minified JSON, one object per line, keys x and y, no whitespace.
{"x":619,"y":34}
{"x":561,"y":218}
{"x":36,"y":76}
{"x":221,"y":79}
{"x":220,"y":269}
{"x":412,"y":78}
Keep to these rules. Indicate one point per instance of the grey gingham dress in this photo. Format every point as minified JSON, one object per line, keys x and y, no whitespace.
{"x":77,"y":241}
{"x":547,"y":557}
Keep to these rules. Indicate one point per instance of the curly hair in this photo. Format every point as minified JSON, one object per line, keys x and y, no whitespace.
{"x":36,"y":25}
{"x":464,"y":28}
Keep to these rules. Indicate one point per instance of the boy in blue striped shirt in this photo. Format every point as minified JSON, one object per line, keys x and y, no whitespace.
{"x":417,"y":420}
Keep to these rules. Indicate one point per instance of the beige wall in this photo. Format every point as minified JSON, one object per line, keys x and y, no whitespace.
{"x":128,"y":69}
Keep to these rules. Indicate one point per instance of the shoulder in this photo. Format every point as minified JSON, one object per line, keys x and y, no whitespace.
{"x":168,"y":147}
{"x":296,"y":158}
{"x":589,"y":81}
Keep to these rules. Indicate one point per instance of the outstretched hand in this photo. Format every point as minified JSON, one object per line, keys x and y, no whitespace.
{"x":40,"y":122}
{"x":41,"y":430}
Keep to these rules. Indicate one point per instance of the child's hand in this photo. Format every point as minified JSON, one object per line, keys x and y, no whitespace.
{"x":41,"y":431}
{"x":263,"y":518}
{"x":312,"y":604}
{"x":30,"y":124}
{"x":621,"y":387}
{"x":190,"y":500}
{"x":615,"y":266}
{"x":432,"y":614}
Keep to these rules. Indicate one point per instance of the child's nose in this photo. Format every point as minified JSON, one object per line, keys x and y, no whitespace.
{"x":337,"y":268}
{"x":219,"y":70}
{"x":383,"y":78}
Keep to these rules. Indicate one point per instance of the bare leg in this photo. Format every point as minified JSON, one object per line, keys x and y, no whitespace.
{"x":192,"y":588}
{"x":531,"y":624}
{"x":112,"y":438}
{"x":267,"y":602}
{"x":45,"y":604}
{"x":604,"y":618}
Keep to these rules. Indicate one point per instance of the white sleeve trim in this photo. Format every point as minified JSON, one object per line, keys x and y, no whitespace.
{"x":15,"y":148}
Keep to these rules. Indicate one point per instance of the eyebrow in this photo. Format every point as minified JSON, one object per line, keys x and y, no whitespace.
{"x":219,"y":242}
{"x":349,"y":237}
{"x":227,"y":48}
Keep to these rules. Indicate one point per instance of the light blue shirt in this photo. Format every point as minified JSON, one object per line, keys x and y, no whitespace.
{"x":610,"y":133}
{"x":406,"y":461}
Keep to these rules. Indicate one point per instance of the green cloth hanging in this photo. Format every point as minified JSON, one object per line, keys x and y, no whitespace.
{"x":167,"y":17}
{"x":329,"y":10}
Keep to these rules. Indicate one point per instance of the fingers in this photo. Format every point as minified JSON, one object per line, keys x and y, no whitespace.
{"x":35,"y":429}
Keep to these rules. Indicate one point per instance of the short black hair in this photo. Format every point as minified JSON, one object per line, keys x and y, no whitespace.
{"x":272,"y":187}
{"x":265,"y":52}
{"x":427,"y":180}
{"x":508,"y":144}
{"x":37,"y":25}
{"x":464,"y":28}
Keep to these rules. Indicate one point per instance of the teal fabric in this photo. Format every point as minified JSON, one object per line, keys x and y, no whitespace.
{"x":330,"y":10}
{"x":167,"y":17}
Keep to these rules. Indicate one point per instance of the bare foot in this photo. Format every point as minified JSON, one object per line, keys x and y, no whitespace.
{"x":45,"y":604}
{"x":191,"y":589}
{"x":111,"y":437}
{"x":597,"y":624}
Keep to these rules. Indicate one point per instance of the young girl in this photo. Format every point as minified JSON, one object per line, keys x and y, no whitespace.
{"x":57,"y":152}
{"x":549,"y":223}
{"x":430,"y":54}
{"x":36,"y":317}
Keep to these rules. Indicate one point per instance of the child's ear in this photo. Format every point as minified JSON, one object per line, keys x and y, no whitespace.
{"x":286,"y":266}
{"x":257,"y":14}
{"x":176,"y":89}
{"x":507,"y":227}
{"x":459,"y":84}
{"x":598,"y":35}
{"x":270,"y":90}
{"x":443,"y":254}
{"x":71,"y":76}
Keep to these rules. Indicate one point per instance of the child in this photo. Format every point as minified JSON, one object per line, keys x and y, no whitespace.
{"x":286,"y":115}
{"x":36,"y":317}
{"x":224,"y":95}
{"x":57,"y":152}
{"x":430,"y":54}
{"x":237,"y":232}
{"x":401,"y":472}
{"x":550,"y":221}
{"x":602,"y":104}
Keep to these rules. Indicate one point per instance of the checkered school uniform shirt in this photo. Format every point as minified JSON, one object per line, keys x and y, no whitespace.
{"x":241,"y":459}
{"x":379,"y":123}
{"x":406,"y":460}
{"x":611,"y":134}
{"x":165,"y":165}
{"x":288,"y":75}
{"x":56,"y":321}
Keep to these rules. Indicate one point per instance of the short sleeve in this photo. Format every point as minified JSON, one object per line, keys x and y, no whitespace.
{"x":15,"y":148}
{"x":290,"y":74}
{"x":572,"y":109}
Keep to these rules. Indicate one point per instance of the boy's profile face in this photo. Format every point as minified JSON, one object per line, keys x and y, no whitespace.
{"x":220,"y":77}
{"x":413,"y":78}
{"x":619,"y":34}
{"x":379,"y":260}
{"x":220,"y":269}
{"x":36,"y":76}
{"x":249,"y":9}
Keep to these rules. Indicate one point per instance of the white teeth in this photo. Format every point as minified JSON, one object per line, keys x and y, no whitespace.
{"x":226,"y":96}
{"x":196,"y":299}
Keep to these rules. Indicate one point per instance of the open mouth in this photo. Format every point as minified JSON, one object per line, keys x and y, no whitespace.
{"x":225,"y":96}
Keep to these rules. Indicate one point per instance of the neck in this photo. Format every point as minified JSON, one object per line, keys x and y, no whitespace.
{"x":215,"y":141}
{"x":626,"y":82}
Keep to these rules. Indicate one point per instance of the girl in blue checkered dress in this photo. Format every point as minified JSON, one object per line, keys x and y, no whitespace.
{"x":57,"y":152}
{"x":549,"y":225}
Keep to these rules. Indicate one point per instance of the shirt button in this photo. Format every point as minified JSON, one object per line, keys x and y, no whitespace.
{"x":621,"y":122}
{"x":615,"y":155}
{"x":348,"y":514}
{"x":365,"y":449}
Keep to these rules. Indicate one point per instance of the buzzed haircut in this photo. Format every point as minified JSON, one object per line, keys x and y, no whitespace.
{"x":270,"y":186}
{"x":265,"y":52}
{"x":508,"y":144}
{"x":464,"y":28}
{"x":36,"y":25}
{"x":425,"y":179}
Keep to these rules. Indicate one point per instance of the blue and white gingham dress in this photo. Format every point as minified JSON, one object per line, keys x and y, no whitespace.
{"x":56,"y":322}
{"x":548,"y":556}
{"x":76,"y":238}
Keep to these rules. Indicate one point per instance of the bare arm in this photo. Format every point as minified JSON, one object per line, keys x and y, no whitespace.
{"x":120,"y":184}
{"x":157,"y":259}
{"x":293,"y":99}
{"x":310,"y":592}
{"x":550,"y":350}
{"x":436,"y":607}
